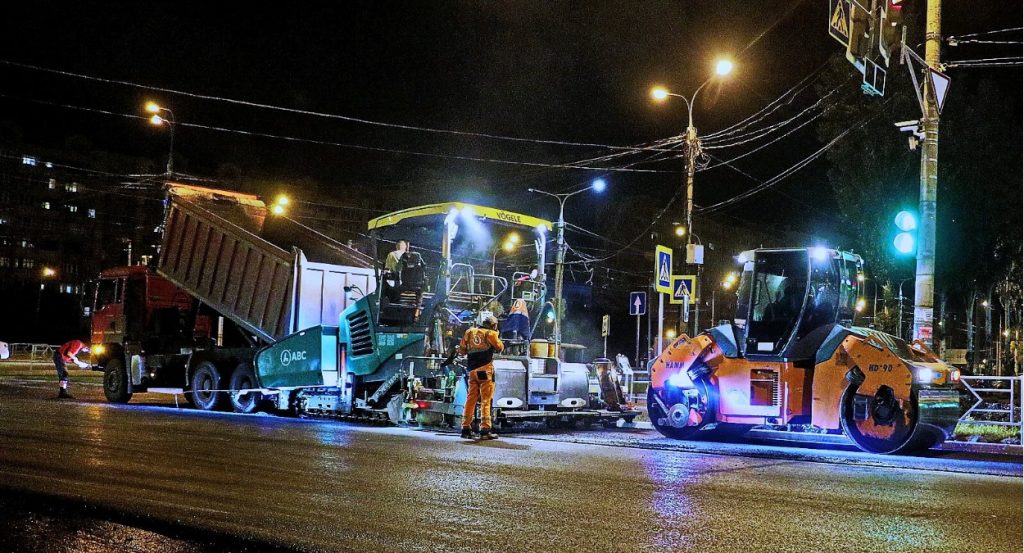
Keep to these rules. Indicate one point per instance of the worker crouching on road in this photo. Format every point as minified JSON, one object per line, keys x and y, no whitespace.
{"x":479,"y":346}
{"x":68,"y":353}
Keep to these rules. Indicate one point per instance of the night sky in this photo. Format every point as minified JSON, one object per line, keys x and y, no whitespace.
{"x":558,"y":71}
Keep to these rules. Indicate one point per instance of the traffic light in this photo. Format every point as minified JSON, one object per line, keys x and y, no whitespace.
{"x":906,"y":240}
{"x":891,"y":29}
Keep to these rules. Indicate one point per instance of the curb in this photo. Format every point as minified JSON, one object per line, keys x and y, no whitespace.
{"x":796,"y":437}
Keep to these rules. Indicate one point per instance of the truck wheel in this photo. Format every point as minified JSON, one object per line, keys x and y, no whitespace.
{"x":881,"y":423}
{"x":115,"y":382}
{"x":205,"y":379}
{"x":243,"y":378}
{"x":702,"y":410}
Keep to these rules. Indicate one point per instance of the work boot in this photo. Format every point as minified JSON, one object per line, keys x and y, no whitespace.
{"x":63,"y":394}
{"x":468,"y":434}
{"x":489,"y":434}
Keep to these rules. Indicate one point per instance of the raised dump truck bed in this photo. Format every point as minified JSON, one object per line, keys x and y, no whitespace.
{"x":225,"y":250}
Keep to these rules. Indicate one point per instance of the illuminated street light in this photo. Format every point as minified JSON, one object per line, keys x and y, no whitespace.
{"x":598,"y":185}
{"x":861,"y":304}
{"x":680,"y":231}
{"x":694,"y":152}
{"x":860,"y":277}
{"x":162,"y":116}
{"x":49,"y":272}
{"x":670,"y":333}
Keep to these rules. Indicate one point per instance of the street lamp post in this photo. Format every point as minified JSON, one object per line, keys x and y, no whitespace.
{"x":598,"y":186}
{"x":899,"y":320}
{"x":46,"y":273}
{"x":693,"y":153}
{"x":157,"y":119}
{"x":509,"y":245}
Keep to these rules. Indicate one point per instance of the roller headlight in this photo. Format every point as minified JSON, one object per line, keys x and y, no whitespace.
{"x":680,"y":380}
{"x":925,"y":375}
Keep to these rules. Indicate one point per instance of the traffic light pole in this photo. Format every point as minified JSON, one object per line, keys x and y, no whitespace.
{"x":924,"y":290}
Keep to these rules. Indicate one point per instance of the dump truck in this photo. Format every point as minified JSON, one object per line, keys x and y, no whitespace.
{"x":791,"y":359}
{"x":230,"y":279}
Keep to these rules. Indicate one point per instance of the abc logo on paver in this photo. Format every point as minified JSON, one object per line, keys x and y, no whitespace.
{"x":287,"y":356}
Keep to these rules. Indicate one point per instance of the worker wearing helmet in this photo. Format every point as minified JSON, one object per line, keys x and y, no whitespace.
{"x":479,"y":346}
{"x":68,"y":353}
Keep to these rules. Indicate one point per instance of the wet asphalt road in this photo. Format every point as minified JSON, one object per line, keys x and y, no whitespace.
{"x":151,"y":478}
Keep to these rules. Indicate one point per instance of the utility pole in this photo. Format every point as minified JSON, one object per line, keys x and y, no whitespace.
{"x":924,"y":289}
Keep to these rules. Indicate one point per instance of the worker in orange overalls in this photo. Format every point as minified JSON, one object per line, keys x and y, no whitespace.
{"x":479,"y":346}
{"x":68,"y":353}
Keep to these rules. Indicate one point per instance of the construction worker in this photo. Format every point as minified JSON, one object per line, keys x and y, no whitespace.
{"x":393,"y":261}
{"x":68,"y":353}
{"x":479,"y":346}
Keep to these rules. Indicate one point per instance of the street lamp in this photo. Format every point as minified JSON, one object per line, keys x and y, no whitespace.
{"x":509,"y":245}
{"x":44,"y":274}
{"x":598,"y":185}
{"x":899,"y":324}
{"x":280,"y":205}
{"x":158,"y":120}
{"x":693,"y":147}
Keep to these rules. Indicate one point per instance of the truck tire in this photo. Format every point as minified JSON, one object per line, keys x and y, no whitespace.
{"x":243,"y":378}
{"x":115,"y":382}
{"x":205,"y":378}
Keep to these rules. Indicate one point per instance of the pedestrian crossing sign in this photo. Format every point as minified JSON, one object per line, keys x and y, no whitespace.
{"x":683,"y":287}
{"x":663,"y":269}
{"x":839,"y":21}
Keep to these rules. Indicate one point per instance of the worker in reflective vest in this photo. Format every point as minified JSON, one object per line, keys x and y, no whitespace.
{"x":68,"y":353}
{"x":479,"y":346}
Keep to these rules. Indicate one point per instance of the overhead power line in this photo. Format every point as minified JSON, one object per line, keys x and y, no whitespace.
{"x":311,"y":113}
{"x":355,"y":146}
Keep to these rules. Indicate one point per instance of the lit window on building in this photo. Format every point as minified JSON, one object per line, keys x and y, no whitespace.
{"x":28,"y":160}
{"x":25,"y":243}
{"x":49,"y":165}
{"x":3,"y":221}
{"x":67,"y":289}
{"x":71,"y":187}
{"x":5,"y":261}
{"x":28,"y":263}
{"x":46,"y":205}
{"x":53,"y":184}
{"x":92,"y":213}
{"x":73,"y":208}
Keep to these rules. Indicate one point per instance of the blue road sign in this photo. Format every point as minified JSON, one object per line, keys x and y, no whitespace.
{"x":682,"y":288}
{"x":638,"y":303}
{"x":663,"y":269}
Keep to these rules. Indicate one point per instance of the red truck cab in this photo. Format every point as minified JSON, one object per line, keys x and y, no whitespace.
{"x":129,"y":306}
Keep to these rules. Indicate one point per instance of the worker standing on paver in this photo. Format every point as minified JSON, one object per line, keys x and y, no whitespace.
{"x":479,"y":346}
{"x":68,"y":353}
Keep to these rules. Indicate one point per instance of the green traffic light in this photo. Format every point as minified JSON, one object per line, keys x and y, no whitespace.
{"x":904,"y":243}
{"x":906,"y":221}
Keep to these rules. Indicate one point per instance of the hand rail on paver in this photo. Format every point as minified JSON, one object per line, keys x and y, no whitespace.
{"x":986,"y":384}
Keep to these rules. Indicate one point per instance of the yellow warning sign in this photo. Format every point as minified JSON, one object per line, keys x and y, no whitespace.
{"x":839,"y":21}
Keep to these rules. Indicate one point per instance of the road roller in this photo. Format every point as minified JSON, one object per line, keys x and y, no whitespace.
{"x":792,"y":359}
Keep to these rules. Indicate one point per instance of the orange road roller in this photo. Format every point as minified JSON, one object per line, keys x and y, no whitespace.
{"x":792,"y":359}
